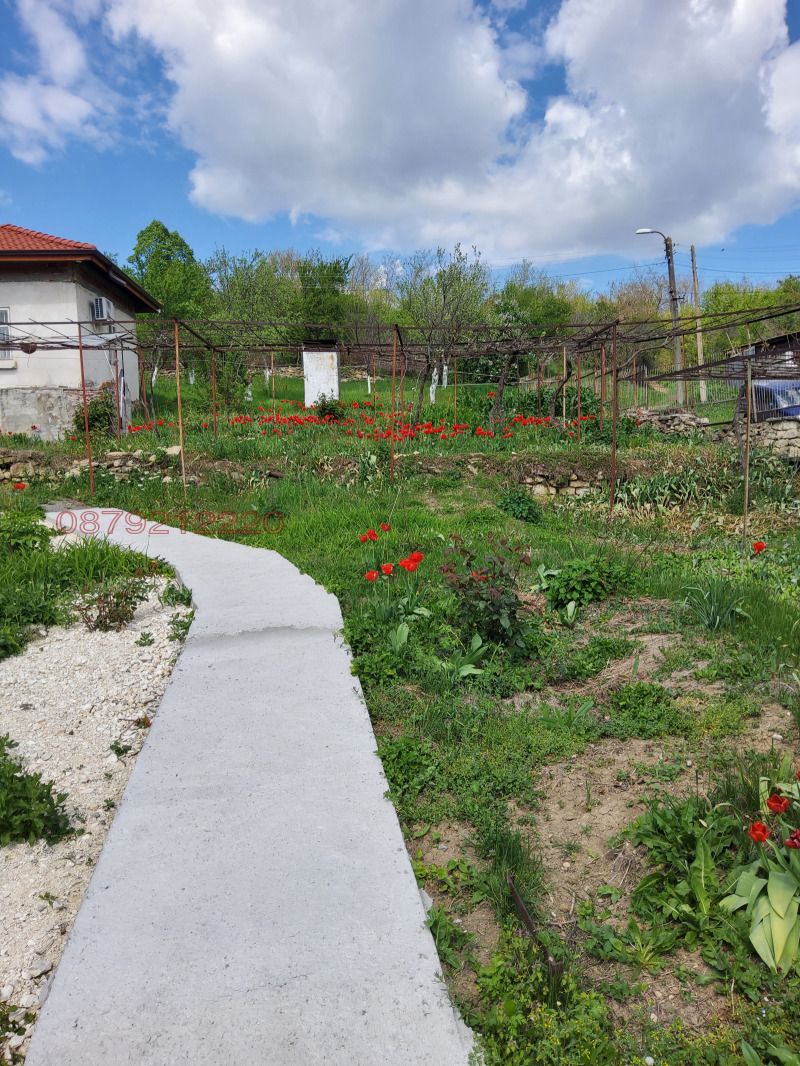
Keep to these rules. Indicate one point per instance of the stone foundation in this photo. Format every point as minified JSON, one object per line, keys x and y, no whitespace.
{"x":781,"y":437}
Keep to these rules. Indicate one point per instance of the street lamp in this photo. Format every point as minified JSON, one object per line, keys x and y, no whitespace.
{"x":673,"y":304}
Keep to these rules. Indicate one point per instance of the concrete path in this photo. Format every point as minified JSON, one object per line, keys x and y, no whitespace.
{"x":254,"y":902}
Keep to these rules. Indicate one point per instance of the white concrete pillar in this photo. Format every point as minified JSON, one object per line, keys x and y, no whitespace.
{"x":321,"y":373}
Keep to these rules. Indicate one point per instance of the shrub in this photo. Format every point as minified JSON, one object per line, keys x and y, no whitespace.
{"x":112,"y":608}
{"x":583,"y":581}
{"x":28,"y":808}
{"x":101,"y":414}
{"x":23,"y":531}
{"x":487,"y":599}
{"x":520,"y":505}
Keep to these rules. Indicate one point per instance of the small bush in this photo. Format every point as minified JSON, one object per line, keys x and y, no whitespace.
{"x":112,"y":608}
{"x":28,"y":808}
{"x":101,"y":414}
{"x":643,"y":710}
{"x":520,"y":505}
{"x":487,"y":599}
{"x":584,"y":581}
{"x":23,"y":531}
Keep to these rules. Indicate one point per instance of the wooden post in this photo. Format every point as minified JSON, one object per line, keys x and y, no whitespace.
{"x":602,"y":383}
{"x":180,"y":411}
{"x":391,"y":424}
{"x":214,"y":390}
{"x":144,"y":388}
{"x":699,"y":332}
{"x":564,"y":391}
{"x":578,"y":360}
{"x":613,"y":423}
{"x":86,"y":414}
{"x":634,"y":378}
{"x":747,"y":454}
{"x":116,"y":390}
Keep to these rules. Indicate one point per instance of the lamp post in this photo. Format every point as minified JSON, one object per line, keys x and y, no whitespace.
{"x":673,"y":304}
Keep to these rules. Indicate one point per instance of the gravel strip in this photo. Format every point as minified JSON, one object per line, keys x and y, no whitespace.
{"x":66,"y":699}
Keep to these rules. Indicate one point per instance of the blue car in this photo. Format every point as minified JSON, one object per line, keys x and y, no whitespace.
{"x":776,"y":399}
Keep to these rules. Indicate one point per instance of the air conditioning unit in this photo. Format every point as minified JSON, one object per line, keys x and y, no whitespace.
{"x":102,"y":309}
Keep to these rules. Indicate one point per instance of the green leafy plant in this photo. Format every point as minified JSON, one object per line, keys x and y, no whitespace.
{"x":145,"y":640}
{"x":463,"y":664}
{"x":29,"y":809}
{"x":520,"y":505}
{"x":643,"y":709}
{"x":22,"y":531}
{"x":574,"y":718}
{"x":717,"y":605}
{"x":448,"y":937}
{"x":585,"y":581}
{"x":113,"y":607}
{"x":179,"y":626}
{"x":101,"y":415}
{"x":398,"y":638}
{"x":175,"y":595}
{"x":486,"y":595}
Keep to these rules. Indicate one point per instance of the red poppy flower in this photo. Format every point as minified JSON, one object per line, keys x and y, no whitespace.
{"x":387,"y":568}
{"x":363,"y":538}
{"x":759,"y":546}
{"x":371,"y":575}
{"x":491,"y":395}
{"x":20,"y":485}
{"x":480,"y":575}
{"x":793,"y":840}
{"x":385,"y":527}
{"x":372,"y":534}
{"x":409,"y":565}
{"x":778,"y":804}
{"x":73,"y":438}
{"x":416,"y":557}
{"x":758,"y":832}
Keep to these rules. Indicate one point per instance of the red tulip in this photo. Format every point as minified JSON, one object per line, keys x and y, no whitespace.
{"x":793,"y":840}
{"x":758,"y":832}
{"x":372,"y":534}
{"x":385,"y":527}
{"x":387,"y":569}
{"x":371,"y":575}
{"x":759,"y":546}
{"x":363,"y":538}
{"x":416,"y":557}
{"x":778,"y":804}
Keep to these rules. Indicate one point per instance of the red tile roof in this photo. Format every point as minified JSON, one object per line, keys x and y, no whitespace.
{"x":17,"y":239}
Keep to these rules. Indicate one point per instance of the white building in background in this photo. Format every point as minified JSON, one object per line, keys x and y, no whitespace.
{"x":49,"y":289}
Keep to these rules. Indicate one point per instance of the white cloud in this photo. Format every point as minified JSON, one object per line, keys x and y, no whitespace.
{"x":406,"y":122}
{"x":40,"y":112}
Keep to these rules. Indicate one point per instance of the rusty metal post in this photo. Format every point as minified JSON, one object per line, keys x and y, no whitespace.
{"x":391,"y":424}
{"x":634,"y":377}
{"x":602,"y":383}
{"x":86,"y":414}
{"x":180,"y":411}
{"x":455,"y":389}
{"x":613,"y":424}
{"x":272,"y":379}
{"x":539,"y":383}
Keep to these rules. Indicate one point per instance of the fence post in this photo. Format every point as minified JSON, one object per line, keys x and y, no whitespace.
{"x":613,"y":424}
{"x":86,"y":413}
{"x":180,"y":412}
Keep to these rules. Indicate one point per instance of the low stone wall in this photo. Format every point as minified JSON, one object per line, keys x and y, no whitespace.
{"x":683,"y":422}
{"x":781,"y":437}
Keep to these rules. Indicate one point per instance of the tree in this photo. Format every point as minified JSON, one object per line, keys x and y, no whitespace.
{"x":164,"y":264}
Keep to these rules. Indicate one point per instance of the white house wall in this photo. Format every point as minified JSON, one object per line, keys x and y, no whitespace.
{"x":40,"y":297}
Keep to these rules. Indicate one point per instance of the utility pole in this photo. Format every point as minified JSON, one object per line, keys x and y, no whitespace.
{"x":700,"y":361}
{"x":673,"y":306}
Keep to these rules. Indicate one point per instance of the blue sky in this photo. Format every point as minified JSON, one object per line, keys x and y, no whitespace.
{"x":550,"y":130}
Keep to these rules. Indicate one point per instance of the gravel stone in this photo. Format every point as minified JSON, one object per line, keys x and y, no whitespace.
{"x":68,"y":697}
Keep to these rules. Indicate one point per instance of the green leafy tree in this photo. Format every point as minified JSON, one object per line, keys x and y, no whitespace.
{"x":164,"y":264}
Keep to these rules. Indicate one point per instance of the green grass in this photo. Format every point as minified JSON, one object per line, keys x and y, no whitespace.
{"x":473,"y":752}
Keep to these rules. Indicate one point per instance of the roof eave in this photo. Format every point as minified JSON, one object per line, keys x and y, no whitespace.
{"x":81,"y":255}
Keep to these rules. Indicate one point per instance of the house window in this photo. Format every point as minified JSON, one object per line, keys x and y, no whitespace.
{"x":5,"y":334}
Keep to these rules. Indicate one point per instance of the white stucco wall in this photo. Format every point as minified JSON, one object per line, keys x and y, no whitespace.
{"x":321,"y":373}
{"x":58,"y":296}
